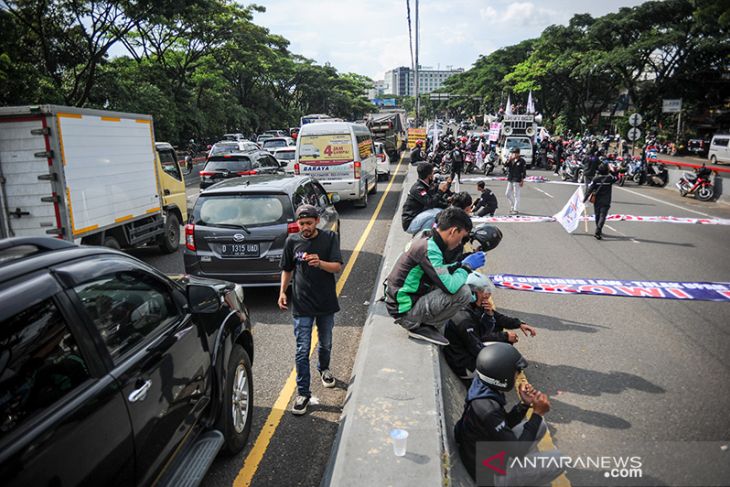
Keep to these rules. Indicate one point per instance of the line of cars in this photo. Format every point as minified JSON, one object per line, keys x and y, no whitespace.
{"x":237,"y":228}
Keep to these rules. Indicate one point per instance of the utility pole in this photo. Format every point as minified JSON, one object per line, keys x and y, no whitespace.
{"x":415,"y":81}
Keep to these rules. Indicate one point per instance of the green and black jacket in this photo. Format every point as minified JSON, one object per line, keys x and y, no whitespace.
{"x":419,"y":270}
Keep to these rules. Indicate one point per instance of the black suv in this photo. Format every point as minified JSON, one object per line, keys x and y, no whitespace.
{"x":235,"y":164}
{"x":237,"y":229}
{"x":114,"y":374}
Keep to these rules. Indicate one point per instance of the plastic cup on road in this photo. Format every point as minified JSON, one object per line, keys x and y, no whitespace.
{"x":399,"y":438}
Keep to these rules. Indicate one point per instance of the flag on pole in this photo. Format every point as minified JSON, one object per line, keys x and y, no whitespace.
{"x":530,"y":103}
{"x":480,"y":154}
{"x":569,"y":216}
{"x":435,"y":136}
{"x":508,"y":108}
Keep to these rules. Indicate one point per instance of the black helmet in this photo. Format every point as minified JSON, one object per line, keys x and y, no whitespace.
{"x":488,"y":236}
{"x":497,"y":364}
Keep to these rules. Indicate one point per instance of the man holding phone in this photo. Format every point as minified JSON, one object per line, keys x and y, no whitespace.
{"x":311,"y":258}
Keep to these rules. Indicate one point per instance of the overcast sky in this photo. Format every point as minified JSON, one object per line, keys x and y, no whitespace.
{"x":371,"y":36}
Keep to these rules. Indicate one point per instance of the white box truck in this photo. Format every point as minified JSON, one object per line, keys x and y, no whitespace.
{"x":89,"y":176}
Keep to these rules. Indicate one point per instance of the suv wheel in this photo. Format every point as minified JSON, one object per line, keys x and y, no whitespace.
{"x":170,"y":240}
{"x":235,"y":417}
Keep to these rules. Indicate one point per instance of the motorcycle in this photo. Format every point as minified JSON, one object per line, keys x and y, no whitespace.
{"x":697,"y":184}
{"x":636,"y":171}
{"x":490,"y":163}
{"x":470,"y":162}
{"x":657,"y":174}
{"x":572,"y":169}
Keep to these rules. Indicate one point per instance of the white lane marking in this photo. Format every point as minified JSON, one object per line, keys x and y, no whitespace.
{"x":622,"y":234}
{"x":666,"y":203}
{"x":543,"y":192}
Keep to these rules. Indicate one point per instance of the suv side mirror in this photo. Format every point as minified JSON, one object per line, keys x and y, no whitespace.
{"x":203,"y":299}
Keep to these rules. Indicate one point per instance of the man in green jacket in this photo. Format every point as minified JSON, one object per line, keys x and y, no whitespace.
{"x":424,"y":289}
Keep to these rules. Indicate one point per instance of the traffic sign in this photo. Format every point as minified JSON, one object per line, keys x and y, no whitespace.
{"x":671,"y":106}
{"x":635,"y":120}
{"x":634,"y":134}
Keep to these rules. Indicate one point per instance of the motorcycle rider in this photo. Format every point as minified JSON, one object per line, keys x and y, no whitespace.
{"x":559,"y":154}
{"x":476,"y":324}
{"x":487,"y":203}
{"x":425,"y":287}
{"x":424,"y":201}
{"x":601,"y":186}
{"x":485,"y":419}
{"x":417,"y":154}
{"x":516,"y":173}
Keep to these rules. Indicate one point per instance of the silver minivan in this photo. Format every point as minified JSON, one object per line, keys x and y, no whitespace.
{"x":719,"y":149}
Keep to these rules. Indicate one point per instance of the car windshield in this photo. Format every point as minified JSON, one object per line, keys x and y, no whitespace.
{"x":521,"y":144}
{"x":230,"y":163}
{"x":287,"y":155}
{"x":242,"y":210}
{"x":223,"y":148}
{"x":271,"y":144}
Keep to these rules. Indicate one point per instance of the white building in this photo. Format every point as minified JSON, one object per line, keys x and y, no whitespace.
{"x":400,"y":81}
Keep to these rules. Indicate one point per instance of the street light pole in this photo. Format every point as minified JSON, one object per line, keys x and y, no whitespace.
{"x":415,"y":81}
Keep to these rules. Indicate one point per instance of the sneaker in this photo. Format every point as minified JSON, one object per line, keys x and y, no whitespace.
{"x":300,"y":405}
{"x":428,"y":334}
{"x":328,"y":380}
{"x":598,"y":236}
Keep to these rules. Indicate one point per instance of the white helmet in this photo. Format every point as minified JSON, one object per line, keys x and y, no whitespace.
{"x":479,"y":282}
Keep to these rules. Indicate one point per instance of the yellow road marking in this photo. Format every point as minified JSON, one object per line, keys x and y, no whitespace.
{"x":546,"y":444}
{"x":256,"y":455}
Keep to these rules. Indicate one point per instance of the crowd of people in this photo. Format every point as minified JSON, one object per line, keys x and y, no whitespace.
{"x":438,"y":294}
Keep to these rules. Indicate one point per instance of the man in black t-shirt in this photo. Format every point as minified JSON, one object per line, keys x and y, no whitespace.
{"x":312,"y":258}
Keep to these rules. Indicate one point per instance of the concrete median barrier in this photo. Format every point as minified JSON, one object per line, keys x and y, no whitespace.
{"x":397,"y":383}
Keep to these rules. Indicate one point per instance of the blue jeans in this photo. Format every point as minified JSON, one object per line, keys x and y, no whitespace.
{"x":423,"y":221}
{"x":303,"y":334}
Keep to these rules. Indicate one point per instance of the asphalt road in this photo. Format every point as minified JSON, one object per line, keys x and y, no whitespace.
{"x":300,"y":447}
{"x":617,"y":370}
{"x":622,"y":370}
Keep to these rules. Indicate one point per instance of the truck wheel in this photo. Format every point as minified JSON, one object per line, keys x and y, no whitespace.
{"x":112,"y":243}
{"x":234,"y":419}
{"x":170,"y":240}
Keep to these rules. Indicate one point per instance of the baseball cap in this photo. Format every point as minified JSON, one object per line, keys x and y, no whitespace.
{"x":306,"y":211}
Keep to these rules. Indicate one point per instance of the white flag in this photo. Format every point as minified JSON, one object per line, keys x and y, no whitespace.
{"x":480,"y":155}
{"x":435,"y":137}
{"x":508,"y":108}
{"x":569,"y":216}
{"x":530,"y":103}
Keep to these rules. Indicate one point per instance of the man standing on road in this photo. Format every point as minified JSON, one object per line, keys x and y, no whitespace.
{"x":600,"y":186}
{"x":516,"y":173}
{"x":559,"y":154}
{"x":425,"y":288}
{"x":424,"y":201}
{"x":486,"y":420}
{"x":313,"y":257}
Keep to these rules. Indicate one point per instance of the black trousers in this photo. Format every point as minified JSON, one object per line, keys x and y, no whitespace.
{"x":486,"y":211}
{"x":601,"y":214}
{"x":456,"y":171}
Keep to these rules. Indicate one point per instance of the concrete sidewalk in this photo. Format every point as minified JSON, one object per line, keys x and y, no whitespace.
{"x":397,"y":382}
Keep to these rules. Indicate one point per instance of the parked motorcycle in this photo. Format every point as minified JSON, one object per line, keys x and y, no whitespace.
{"x":697,"y":184}
{"x":657,"y":174}
{"x":470,"y":162}
{"x":572,"y":169}
{"x":490,"y":163}
{"x":636,"y":171}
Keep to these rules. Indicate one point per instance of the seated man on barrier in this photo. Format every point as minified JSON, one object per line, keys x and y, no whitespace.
{"x":486,"y":420}
{"x":475,"y":325}
{"x":426,"y":287}
{"x":425,"y":200}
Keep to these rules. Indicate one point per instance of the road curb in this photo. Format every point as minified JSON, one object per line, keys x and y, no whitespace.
{"x":396,"y":383}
